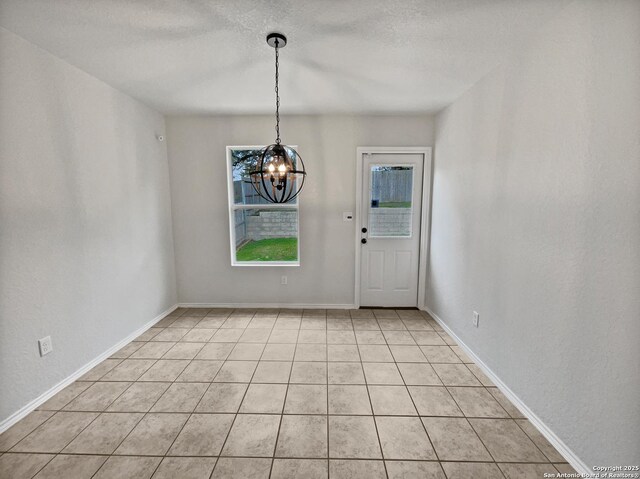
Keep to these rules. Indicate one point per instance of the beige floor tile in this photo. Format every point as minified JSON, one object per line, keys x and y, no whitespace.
{"x":419,"y":374}
{"x":338,"y":314}
{"x":241,"y":468}
{"x":184,"y":351}
{"x":349,"y":400}
{"x":343,"y":352}
{"x":388,"y":324}
{"x":299,"y":468}
{"x":165,"y":370}
{"x":407,"y":354}
{"x":370,"y":337}
{"x":353,"y":437}
{"x":506,"y":441}
{"x":414,"y":469}
{"x":311,"y":352}
{"x":287,"y":323}
{"x":382,"y":373}
{"x":22,"y":466}
{"x":255,"y":335}
{"x":341,"y":469}
{"x":527,"y":471}
{"x":302,"y":436}
{"x":65,"y":396}
{"x":365,"y":324}
{"x":200,"y":371}
{"x":171,"y":334}
{"x":180,"y":397}
{"x":98,"y":396}
{"x":228,"y":335}
{"x":22,"y":428}
{"x":376,"y":353}
{"x":252,"y":435}
{"x":104,"y":434}
{"x":385,"y":314}
{"x":274,"y":372}
{"x":565,"y":468}
{"x":539,"y":440}
{"x":471,"y":470}
{"x":185,"y":322}
{"x":100,"y":370}
{"x":455,"y":375}
{"x":210,"y":323}
{"x":128,"y":370}
{"x":427,"y":338}
{"x":508,"y":406}
{"x":339,"y":324}
{"x":361,"y":313}
{"x":308,"y":373}
{"x":202,"y":435}
{"x":56,"y":433}
{"x":149,"y":334}
{"x":76,"y":467}
{"x":264,"y":399}
{"x":404,"y":438}
{"x":262,"y":322}
{"x":153,"y":435}
{"x":284,"y":336}
{"x":399,"y":337}
{"x":391,"y":401}
{"x":185,"y":468}
{"x":217,"y":351}
{"x":306,"y":399}
{"x":152,"y":350}
{"x":139,"y":397}
{"x":278,"y":352}
{"x":345,"y":373}
{"x":461,"y":354}
{"x":236,"y":372}
{"x":128,"y":467}
{"x":477,"y":402}
{"x":434,"y":401}
{"x":127,"y":350}
{"x":340,"y":337}
{"x":313,"y":324}
{"x":222,"y":397}
{"x":246,"y":352}
{"x":455,"y":440}
{"x":440,"y":354}
{"x":236,"y":322}
{"x":198,"y":335}
{"x":482,"y":377}
{"x":312,"y":336}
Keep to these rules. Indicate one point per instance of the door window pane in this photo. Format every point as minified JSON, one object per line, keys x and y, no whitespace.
{"x":390,"y":194}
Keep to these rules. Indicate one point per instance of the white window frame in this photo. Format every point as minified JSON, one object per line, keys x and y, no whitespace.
{"x":233,"y":208}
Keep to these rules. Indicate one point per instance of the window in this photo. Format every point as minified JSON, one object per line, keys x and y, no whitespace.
{"x":262,"y":233}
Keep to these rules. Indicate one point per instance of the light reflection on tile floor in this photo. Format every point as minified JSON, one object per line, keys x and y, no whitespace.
{"x":226,"y":393}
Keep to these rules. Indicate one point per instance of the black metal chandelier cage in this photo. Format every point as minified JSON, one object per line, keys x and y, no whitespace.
{"x":279,"y":174}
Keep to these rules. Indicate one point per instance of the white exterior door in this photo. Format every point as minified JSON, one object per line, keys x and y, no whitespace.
{"x":389,"y":228}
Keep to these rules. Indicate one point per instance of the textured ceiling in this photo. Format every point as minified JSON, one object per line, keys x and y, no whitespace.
{"x":343,"y":56}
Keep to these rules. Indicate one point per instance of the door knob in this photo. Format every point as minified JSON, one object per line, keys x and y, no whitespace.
{"x":363,"y":241}
{"x":364,"y":230}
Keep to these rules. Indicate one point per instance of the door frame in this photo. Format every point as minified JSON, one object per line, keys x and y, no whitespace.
{"x":425,"y":217}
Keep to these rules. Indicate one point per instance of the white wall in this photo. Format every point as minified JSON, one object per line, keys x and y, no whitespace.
{"x":536,"y":225}
{"x":86,"y":251}
{"x":327,"y":145}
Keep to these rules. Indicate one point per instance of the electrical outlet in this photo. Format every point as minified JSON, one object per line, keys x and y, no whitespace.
{"x":45,"y":345}
{"x":476,"y":319}
{"x":283,"y":280}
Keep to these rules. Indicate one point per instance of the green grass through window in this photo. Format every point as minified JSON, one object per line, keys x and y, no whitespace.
{"x":272,"y":249}
{"x":395,"y":204}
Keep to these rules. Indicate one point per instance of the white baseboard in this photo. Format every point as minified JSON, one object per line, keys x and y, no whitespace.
{"x":555,"y":441}
{"x":23,"y":411}
{"x":268,"y":305}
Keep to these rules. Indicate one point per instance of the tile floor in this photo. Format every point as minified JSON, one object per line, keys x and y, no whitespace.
{"x":222,"y":393}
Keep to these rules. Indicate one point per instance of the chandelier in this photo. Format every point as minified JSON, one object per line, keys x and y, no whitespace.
{"x":279,"y":174}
